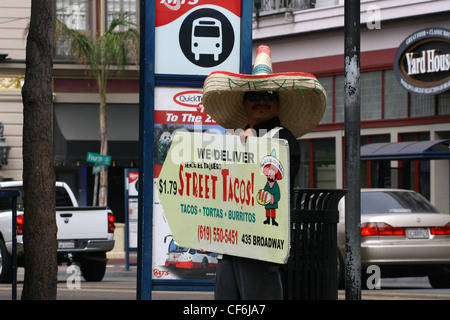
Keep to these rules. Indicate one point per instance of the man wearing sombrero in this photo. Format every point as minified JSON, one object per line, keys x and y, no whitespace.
{"x":276,"y":105}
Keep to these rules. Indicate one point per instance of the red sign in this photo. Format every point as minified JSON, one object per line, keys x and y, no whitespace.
{"x":168,"y":11}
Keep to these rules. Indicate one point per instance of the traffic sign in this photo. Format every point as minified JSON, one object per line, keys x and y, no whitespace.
{"x":194,"y":37}
{"x":97,"y":169}
{"x":98,"y":158}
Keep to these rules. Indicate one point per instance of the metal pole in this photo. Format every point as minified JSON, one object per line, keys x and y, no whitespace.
{"x":352,"y":102}
{"x":94,"y":200}
{"x":146,"y":126}
{"x":14,"y":246}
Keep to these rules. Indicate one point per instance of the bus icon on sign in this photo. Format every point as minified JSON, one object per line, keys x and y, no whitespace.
{"x":206,"y":37}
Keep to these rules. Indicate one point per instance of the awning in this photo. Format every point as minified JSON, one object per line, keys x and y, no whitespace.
{"x":77,"y":132}
{"x":411,"y":150}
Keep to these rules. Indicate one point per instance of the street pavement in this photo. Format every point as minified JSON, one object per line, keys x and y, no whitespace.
{"x":120,"y":284}
{"x":392,"y":289}
{"x":117,"y":284}
{"x":116,"y":271}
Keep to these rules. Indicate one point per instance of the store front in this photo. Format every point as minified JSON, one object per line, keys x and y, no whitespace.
{"x":76,"y":132}
{"x":413,"y":171}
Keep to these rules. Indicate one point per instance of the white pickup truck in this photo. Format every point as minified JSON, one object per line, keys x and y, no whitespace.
{"x":84,"y":236}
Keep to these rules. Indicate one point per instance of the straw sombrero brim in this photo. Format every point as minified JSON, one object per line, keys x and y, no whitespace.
{"x":301,"y":96}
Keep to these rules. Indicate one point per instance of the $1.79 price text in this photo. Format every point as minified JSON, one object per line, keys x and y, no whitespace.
{"x":167,"y":186}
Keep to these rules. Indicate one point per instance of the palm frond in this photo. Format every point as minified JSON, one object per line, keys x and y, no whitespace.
{"x":82,"y":44}
{"x":110,"y":48}
{"x":122,"y":20}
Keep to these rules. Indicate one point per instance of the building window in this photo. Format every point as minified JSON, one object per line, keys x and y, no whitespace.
{"x":74,"y":14}
{"x":382,"y":97}
{"x":327,"y":83}
{"x":79,"y":15}
{"x":371,"y":95}
{"x":339,"y":98}
{"x":268,"y":7}
{"x":444,"y":104}
{"x":318,"y":165}
{"x":114,"y":7}
{"x":415,"y":174}
{"x":395,"y":97}
{"x":422,"y":105}
{"x":371,"y":176}
{"x":371,"y":92}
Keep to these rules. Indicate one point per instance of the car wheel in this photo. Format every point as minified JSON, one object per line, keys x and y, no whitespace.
{"x":93,"y":266}
{"x":6,"y":269}
{"x":440,"y":280}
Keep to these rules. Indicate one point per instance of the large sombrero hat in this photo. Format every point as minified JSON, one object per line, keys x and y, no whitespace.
{"x":302,"y":98}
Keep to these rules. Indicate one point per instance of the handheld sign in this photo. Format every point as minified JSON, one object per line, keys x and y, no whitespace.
{"x":224,"y":197}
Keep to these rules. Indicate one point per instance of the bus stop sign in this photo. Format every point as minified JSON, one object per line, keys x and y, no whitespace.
{"x":194,"y":36}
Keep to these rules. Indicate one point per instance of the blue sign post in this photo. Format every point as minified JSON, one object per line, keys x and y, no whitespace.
{"x":181,"y":43}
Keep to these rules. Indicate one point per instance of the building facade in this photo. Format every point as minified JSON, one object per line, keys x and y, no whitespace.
{"x":304,"y":36}
{"x":76,"y":99}
{"x":308,"y":36}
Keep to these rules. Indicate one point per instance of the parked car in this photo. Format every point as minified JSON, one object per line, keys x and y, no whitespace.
{"x":84,"y":236}
{"x":403,"y":234}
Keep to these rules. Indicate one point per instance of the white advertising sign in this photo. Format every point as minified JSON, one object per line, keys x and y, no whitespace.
{"x":197,"y":37}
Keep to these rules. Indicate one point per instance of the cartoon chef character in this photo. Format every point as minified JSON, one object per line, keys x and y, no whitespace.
{"x":269,"y":196}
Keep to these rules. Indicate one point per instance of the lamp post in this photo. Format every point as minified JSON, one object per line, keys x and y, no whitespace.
{"x":4,"y":148}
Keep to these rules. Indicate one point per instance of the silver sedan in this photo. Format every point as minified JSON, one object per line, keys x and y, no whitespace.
{"x":403,"y":234}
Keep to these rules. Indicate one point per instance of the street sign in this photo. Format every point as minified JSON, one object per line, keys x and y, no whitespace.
{"x":98,"y":158}
{"x":192,"y":37}
{"x":97,"y":169}
{"x":422,"y":61}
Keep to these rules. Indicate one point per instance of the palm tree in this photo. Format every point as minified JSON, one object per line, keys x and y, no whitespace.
{"x":102,"y":54}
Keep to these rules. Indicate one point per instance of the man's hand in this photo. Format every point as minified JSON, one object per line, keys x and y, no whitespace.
{"x":247,"y":133}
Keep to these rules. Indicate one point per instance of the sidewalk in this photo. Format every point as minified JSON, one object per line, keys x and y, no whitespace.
{"x":114,"y":268}
{"x":117,"y":268}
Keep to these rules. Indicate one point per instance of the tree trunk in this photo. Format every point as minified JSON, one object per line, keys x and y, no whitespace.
{"x":40,"y":242}
{"x":103,"y":190}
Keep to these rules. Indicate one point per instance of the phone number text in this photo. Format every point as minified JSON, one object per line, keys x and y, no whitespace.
{"x":215,"y":234}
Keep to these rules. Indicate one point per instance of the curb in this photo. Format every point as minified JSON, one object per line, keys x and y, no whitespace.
{"x":115,"y":268}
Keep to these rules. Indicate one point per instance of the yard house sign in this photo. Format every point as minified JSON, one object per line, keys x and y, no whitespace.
{"x":422,"y":62}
